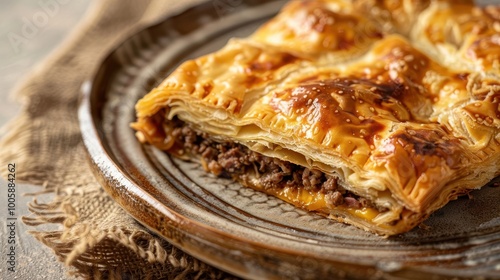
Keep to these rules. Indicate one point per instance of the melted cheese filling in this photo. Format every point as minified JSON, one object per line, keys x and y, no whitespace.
{"x":315,"y":201}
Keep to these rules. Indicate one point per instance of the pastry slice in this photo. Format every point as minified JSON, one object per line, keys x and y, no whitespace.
{"x":343,"y":108}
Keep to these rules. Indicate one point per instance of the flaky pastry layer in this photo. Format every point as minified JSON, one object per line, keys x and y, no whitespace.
{"x":398,"y":100}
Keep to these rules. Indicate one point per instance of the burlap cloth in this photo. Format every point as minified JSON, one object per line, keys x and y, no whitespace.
{"x":96,"y":238}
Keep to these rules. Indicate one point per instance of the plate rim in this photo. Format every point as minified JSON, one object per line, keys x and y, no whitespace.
{"x":100,"y":160}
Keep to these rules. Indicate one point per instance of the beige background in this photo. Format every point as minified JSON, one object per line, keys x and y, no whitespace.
{"x":29,"y":31}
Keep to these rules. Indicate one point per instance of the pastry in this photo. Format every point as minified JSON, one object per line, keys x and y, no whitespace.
{"x":372,"y":113}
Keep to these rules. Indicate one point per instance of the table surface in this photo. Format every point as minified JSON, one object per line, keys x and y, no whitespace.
{"x":30,"y":31}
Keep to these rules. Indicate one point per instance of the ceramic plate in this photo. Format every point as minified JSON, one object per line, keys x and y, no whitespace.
{"x":237,"y":229}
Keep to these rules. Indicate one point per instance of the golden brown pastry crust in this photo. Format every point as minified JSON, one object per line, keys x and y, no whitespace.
{"x":398,"y":99}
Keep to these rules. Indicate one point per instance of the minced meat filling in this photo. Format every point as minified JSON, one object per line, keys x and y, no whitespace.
{"x":233,"y":160}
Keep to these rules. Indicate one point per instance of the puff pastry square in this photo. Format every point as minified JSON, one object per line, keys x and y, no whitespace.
{"x":372,"y":113}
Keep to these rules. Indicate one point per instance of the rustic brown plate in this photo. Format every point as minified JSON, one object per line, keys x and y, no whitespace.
{"x":237,"y":229}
